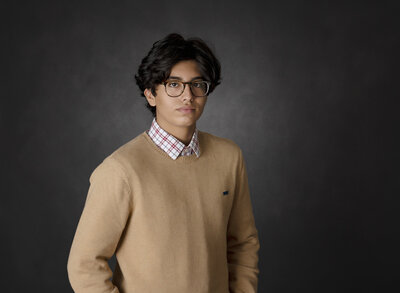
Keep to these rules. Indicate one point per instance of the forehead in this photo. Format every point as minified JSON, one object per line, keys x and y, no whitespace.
{"x":187,"y":69}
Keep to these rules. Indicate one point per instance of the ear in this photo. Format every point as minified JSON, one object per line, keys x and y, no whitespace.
{"x":150,"y":97}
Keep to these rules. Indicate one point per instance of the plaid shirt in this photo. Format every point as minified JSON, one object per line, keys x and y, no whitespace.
{"x":170,"y":144}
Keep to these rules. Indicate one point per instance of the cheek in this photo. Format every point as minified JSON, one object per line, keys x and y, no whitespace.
{"x":172,"y":104}
{"x":166,"y":104}
{"x":202,"y":104}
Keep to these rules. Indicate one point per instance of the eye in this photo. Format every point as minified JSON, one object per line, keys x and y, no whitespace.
{"x":173,"y":84}
{"x":198,"y":84}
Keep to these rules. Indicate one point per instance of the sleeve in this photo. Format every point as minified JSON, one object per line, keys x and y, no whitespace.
{"x":107,"y":208}
{"x":242,"y":238}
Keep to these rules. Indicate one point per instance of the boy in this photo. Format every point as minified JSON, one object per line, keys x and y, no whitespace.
{"x":173,"y":203}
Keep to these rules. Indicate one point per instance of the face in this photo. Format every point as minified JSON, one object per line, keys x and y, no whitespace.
{"x":182,"y":111}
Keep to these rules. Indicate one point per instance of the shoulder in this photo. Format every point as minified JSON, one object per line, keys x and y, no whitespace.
{"x":123,"y":156}
{"x":217,"y":140}
{"x":136,"y":145}
{"x":217,"y":144}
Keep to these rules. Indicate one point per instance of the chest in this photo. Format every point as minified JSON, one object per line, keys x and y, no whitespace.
{"x":188,"y":196}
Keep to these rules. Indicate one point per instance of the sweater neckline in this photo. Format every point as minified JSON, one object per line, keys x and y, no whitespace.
{"x":180,"y":159}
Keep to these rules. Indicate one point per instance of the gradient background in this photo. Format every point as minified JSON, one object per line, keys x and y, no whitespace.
{"x":309,"y":92}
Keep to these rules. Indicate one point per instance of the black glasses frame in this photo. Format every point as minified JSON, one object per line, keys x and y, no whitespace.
{"x":190,"y":83}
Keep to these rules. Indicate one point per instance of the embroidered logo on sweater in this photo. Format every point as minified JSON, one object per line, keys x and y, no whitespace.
{"x":226,"y":192}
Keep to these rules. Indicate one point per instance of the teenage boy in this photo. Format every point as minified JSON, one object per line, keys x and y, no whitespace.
{"x":173,"y":203}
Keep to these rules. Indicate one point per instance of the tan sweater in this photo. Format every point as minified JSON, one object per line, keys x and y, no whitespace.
{"x":176,"y":226}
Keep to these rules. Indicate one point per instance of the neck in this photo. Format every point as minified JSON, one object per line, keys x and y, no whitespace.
{"x":184,"y":134}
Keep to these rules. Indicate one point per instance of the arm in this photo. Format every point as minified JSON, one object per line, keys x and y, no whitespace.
{"x":107,"y":208}
{"x":242,"y":238}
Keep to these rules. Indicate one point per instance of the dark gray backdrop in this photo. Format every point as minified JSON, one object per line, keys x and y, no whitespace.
{"x":309,"y":93}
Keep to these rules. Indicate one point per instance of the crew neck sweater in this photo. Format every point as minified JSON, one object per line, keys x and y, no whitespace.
{"x":175,"y":226}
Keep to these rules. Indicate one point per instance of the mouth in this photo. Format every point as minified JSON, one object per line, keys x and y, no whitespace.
{"x":186,"y":109}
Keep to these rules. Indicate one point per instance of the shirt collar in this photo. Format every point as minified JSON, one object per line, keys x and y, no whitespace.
{"x":170,"y":144}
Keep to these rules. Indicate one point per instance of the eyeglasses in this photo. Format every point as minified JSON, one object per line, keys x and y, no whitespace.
{"x":174,"y":88}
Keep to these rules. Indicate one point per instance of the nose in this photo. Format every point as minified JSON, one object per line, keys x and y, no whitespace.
{"x":187,"y":94}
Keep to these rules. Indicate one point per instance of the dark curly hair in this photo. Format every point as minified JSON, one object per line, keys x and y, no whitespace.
{"x":165,"y":53}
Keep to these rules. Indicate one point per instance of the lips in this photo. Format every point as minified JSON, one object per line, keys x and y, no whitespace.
{"x":186,"y":110}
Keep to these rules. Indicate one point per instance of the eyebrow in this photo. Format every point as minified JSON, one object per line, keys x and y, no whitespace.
{"x":179,"y":78}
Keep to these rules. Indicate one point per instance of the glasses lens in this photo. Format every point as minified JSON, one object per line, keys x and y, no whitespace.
{"x":199,"y":88}
{"x":174,"y":88}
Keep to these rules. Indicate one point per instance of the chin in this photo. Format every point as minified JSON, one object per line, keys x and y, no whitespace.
{"x":186,"y":122}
